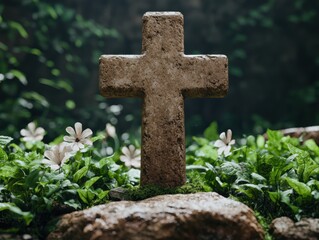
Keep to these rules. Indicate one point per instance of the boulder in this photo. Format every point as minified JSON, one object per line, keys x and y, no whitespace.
{"x":303,"y":133}
{"x":284,"y":228}
{"x":181,"y":216}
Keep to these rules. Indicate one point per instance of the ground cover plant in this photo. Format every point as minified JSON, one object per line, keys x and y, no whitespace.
{"x":274,"y":175}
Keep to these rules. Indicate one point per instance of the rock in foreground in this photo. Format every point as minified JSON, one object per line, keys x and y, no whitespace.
{"x":284,"y":228}
{"x":191,"y":216}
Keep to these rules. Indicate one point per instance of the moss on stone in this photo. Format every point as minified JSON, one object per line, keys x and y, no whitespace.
{"x":140,"y":193}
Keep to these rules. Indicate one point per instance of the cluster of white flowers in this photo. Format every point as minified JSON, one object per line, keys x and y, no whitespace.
{"x":77,"y":139}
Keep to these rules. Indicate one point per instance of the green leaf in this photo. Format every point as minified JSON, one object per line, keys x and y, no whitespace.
{"x":27,"y":216}
{"x":86,"y":195}
{"x":5,"y":140}
{"x":230,"y":168}
{"x":250,"y":190}
{"x":260,"y":141}
{"x":315,"y":194}
{"x":211,"y":133}
{"x":72,"y":203}
{"x":36,"y":97}
{"x":274,"y":196}
{"x":274,"y":140}
{"x":8,"y":171}
{"x":258,"y":177}
{"x":207,"y":151}
{"x":201,"y":141}
{"x":3,"y":155}
{"x":103,"y":194}
{"x":52,"y":12}
{"x":196,"y":167}
{"x":32,"y":179}
{"x":70,"y":104}
{"x":60,"y":84}
{"x":299,"y":187}
{"x":311,"y":145}
{"x":19,"y":75}
{"x":90,"y":182}
{"x":80,"y":173}
{"x":98,"y":137}
{"x":17,"y":26}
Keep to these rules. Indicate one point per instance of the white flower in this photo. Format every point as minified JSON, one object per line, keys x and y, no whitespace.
{"x":32,"y":133}
{"x":131,"y":157}
{"x":110,"y":130}
{"x":224,"y":143}
{"x":77,"y":138}
{"x":57,"y":155}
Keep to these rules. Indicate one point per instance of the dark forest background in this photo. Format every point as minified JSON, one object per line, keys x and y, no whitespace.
{"x":49,"y":53}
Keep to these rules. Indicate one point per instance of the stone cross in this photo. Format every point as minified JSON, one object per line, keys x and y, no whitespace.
{"x":163,"y":76}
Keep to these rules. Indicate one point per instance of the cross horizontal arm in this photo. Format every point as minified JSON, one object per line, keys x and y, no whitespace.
{"x":119,"y":76}
{"x":204,"y":75}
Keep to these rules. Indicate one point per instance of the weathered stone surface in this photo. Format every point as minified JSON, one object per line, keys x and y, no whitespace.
{"x":284,"y":228}
{"x":163,"y":76}
{"x":305,"y":133}
{"x":187,"y":217}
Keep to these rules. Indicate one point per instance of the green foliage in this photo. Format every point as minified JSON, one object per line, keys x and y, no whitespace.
{"x":140,"y":193}
{"x":41,"y":57}
{"x":32,"y":194}
{"x":277,"y":177}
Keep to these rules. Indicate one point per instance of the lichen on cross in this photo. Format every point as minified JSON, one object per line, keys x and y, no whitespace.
{"x":163,"y":76}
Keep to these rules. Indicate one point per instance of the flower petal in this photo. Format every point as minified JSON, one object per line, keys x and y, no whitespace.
{"x":50,"y":155}
{"x":229,"y":135}
{"x":66,"y":157}
{"x":55,"y":167}
{"x":137,"y":152}
{"x":38,"y":137}
{"x":125,"y":151}
{"x":75,"y":147}
{"x":227,"y":151}
{"x":24,"y":132}
{"x":69,"y":138}
{"x":31,"y":127}
{"x":222,"y":136}
{"x":28,"y":139}
{"x":86,"y":133}
{"x":79,"y":144}
{"x":70,"y":131}
{"x":39,"y":131}
{"x":220,"y":151}
{"x":78,"y":129}
{"x":232,"y":142}
{"x":87,"y":142}
{"x":110,"y":130}
{"x":131,"y":147}
{"x":123,"y":158}
{"x":136,"y":163}
{"x":219,"y":144}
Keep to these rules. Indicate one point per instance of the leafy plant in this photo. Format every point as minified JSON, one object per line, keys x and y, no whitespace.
{"x":32,"y":194}
{"x":277,"y":176}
